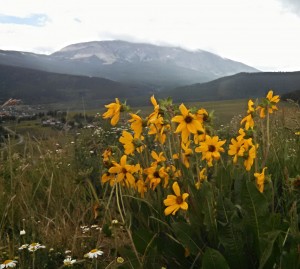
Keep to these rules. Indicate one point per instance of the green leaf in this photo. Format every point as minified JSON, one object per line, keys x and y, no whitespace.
{"x":205,"y":204}
{"x":213,"y":259}
{"x":187,"y":237}
{"x":267,"y":243}
{"x":142,"y":238}
{"x":230,"y":231}
{"x":255,"y":208}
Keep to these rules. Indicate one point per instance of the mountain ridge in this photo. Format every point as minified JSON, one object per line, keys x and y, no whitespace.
{"x":150,"y":65}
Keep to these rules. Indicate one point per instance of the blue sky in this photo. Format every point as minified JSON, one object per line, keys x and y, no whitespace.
{"x":261,"y":33}
{"x":32,"y":20}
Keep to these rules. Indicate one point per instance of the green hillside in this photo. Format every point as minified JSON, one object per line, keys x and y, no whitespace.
{"x":39,"y":87}
{"x":239,"y":86}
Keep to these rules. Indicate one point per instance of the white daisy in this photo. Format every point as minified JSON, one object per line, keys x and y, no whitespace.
{"x":35,"y":246}
{"x":9,"y":264}
{"x":94,"y":253}
{"x":68,"y":261}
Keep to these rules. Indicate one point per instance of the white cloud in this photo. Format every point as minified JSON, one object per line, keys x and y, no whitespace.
{"x":258,"y":33}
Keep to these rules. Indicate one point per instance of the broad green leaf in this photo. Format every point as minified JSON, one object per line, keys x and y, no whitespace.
{"x":213,"y":259}
{"x":230,"y":233}
{"x":187,"y":237}
{"x":267,"y":242}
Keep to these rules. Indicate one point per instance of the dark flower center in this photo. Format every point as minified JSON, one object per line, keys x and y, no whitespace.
{"x":124,"y":171}
{"x":179,"y":200}
{"x":205,"y":117}
{"x":156,"y":174}
{"x":188,"y":119}
{"x":211,"y":148}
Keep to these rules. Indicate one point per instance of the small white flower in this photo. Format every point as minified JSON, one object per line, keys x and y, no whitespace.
{"x":35,"y":246}
{"x":114,"y":221}
{"x":68,"y":251}
{"x":68,"y":261}
{"x":22,"y":232}
{"x":9,"y":264}
{"x":23,"y":246}
{"x":94,"y":253}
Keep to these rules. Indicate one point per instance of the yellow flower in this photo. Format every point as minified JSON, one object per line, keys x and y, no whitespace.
{"x":202,"y":115}
{"x":113,"y":112}
{"x":260,"y":180}
{"x":120,"y":260}
{"x":159,"y":158}
{"x":273,"y":99}
{"x":236,"y":148}
{"x":269,"y":104}
{"x":188,"y":123}
{"x":141,"y":187}
{"x":187,"y":152}
{"x":249,"y":157}
{"x":154,"y":115}
{"x":124,"y":171}
{"x":199,"y":136}
{"x":250,"y":107}
{"x":211,"y":148}
{"x":106,"y":157}
{"x":201,"y":178}
{"x":155,"y":174}
{"x":242,"y":134}
{"x":136,"y":125}
{"x":249,"y":122}
{"x":159,"y":128}
{"x":108,"y":177}
{"x":297,"y":133}
{"x":175,"y":202}
{"x":130,"y":143}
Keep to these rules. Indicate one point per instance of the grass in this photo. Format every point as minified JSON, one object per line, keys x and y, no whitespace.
{"x":51,"y":189}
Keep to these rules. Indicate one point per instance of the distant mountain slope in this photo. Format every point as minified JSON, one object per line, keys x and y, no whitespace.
{"x":38,"y":87}
{"x":294,"y":95}
{"x":149,"y":65}
{"x":243,"y":85}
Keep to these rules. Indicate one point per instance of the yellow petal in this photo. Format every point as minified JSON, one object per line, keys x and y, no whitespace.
{"x":176,"y":189}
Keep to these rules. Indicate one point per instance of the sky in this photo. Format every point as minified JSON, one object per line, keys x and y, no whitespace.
{"x":264,"y":34}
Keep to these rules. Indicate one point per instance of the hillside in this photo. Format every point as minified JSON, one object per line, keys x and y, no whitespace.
{"x":149,"y":65}
{"x":38,"y":87}
{"x":243,"y":85}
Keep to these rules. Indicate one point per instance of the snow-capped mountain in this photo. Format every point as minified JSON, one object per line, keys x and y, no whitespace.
{"x":154,"y":66}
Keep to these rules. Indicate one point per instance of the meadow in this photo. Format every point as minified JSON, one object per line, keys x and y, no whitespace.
{"x":164,"y":186}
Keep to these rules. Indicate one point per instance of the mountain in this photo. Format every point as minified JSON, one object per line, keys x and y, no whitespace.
{"x":39,"y":87}
{"x":148,"y":65}
{"x":239,"y":86}
{"x":293,"y":95}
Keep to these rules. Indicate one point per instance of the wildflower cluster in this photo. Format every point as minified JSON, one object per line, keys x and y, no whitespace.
{"x":167,"y":147}
{"x":157,"y":149}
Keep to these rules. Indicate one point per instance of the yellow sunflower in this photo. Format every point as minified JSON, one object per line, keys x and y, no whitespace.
{"x":236,"y":149}
{"x":113,"y":112}
{"x":124,"y":172}
{"x":130,"y":143}
{"x":211,"y":148}
{"x":136,"y":125}
{"x":175,"y":202}
{"x":188,"y":123}
{"x":155,"y":174}
{"x":269,"y":104}
{"x":260,"y":180}
{"x":202,"y":177}
{"x":249,"y":156}
{"x":248,"y":120}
